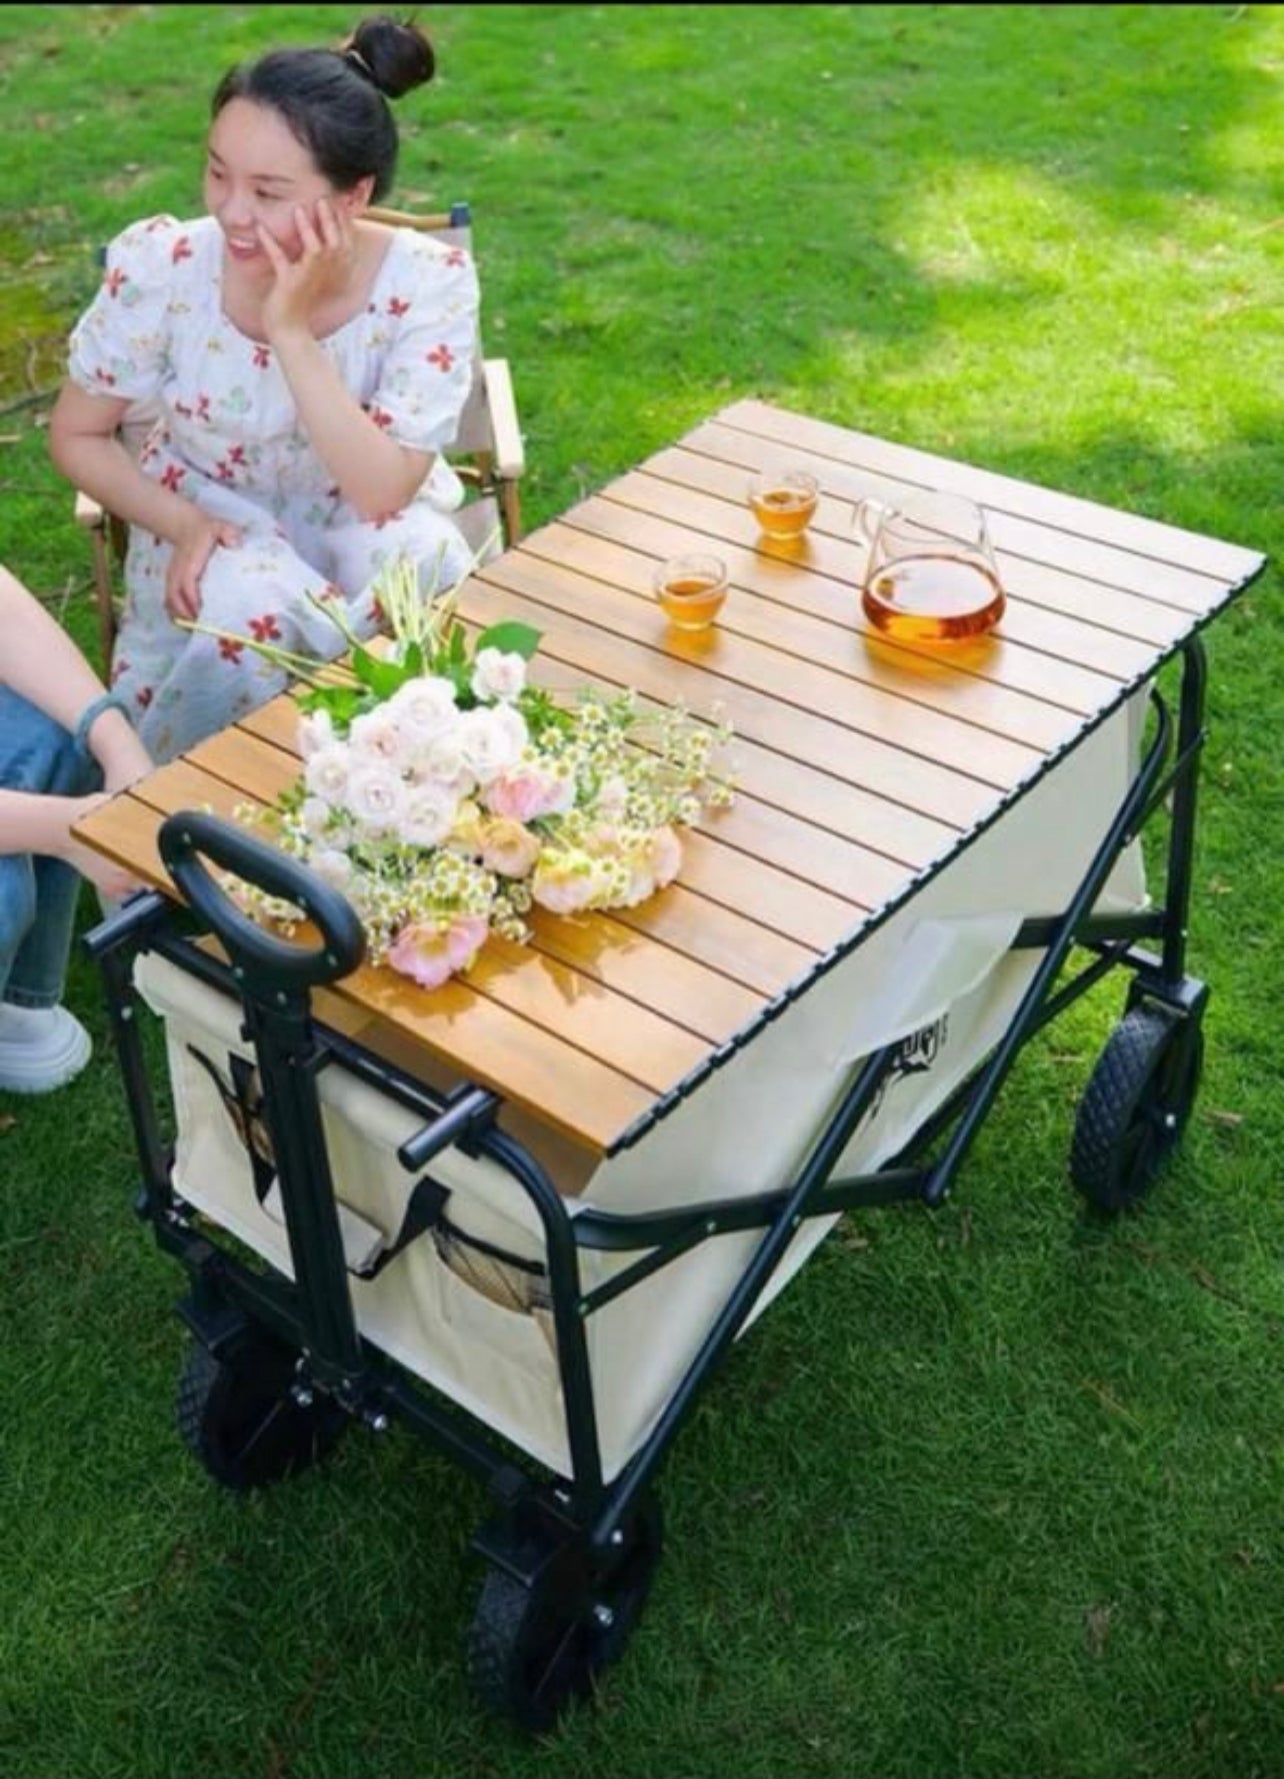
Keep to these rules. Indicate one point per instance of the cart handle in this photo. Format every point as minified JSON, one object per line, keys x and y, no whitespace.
{"x":276,"y":963}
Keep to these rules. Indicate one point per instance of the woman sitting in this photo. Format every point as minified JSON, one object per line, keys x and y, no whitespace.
{"x":308,"y":367}
{"x":64,"y":743}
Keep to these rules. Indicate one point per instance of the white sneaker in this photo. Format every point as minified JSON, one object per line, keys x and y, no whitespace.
{"x":40,"y":1048}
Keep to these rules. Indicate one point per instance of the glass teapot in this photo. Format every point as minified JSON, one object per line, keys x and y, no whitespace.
{"x":931,"y":575}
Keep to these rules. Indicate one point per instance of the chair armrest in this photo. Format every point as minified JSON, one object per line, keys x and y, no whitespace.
{"x":510,"y":454}
{"x":88,"y":512}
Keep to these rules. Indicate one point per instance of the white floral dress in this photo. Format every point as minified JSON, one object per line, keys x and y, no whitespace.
{"x":228,"y":438}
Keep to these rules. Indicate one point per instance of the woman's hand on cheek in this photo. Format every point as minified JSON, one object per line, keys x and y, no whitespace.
{"x":285,"y":307}
{"x":328,"y":247}
{"x":334,"y":226}
{"x":320,"y":268}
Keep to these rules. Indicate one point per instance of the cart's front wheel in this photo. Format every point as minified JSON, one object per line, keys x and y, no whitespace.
{"x":1136,"y":1105}
{"x":533,"y":1649}
{"x":239,"y":1417}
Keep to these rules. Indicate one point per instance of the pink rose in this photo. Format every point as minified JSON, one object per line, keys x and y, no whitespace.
{"x":529,"y":791}
{"x":433,"y":953}
{"x":565,"y":883}
{"x":508,"y":848}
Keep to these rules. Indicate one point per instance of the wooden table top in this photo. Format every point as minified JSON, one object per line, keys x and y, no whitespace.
{"x":859,"y":764}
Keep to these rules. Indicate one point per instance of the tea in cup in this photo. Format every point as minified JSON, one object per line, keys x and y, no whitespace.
{"x":691,"y":590}
{"x":932,"y":576}
{"x":784,"y":500}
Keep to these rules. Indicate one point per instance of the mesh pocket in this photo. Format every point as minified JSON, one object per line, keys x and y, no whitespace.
{"x":501,"y":1278}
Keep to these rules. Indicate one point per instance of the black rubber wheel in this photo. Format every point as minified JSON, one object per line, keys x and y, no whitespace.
{"x":531,"y":1651}
{"x":1135,"y":1106}
{"x":239,"y":1419}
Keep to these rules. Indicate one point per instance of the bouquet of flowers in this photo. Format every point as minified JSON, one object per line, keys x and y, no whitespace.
{"x":445,"y":795}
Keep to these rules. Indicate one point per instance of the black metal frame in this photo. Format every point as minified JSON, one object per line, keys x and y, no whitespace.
{"x":314,"y":1313}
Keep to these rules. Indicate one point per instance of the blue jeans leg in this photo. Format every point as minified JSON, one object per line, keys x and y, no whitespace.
{"x":37,"y":895}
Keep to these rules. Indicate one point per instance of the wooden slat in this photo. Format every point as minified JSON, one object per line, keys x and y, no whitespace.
{"x":1125,"y":613}
{"x":876,"y":824}
{"x":1035,"y":560}
{"x":721,"y":664}
{"x":1128,"y":533}
{"x":598,"y":946}
{"x":733,"y":941}
{"x":529,"y":980}
{"x":628,"y":1038}
{"x":737,"y":857}
{"x":654,"y":974}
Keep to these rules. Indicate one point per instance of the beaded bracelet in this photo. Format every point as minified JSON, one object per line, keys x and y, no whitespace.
{"x":91,"y":713}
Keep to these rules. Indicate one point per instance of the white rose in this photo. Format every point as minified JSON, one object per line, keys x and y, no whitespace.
{"x":498,"y":677}
{"x":314,"y":813}
{"x":332,"y":867}
{"x":376,"y":798}
{"x":315,"y":733}
{"x":428,"y":815}
{"x":443,"y":761}
{"x":424,"y":708}
{"x":326,"y":773}
{"x":376,"y":736}
{"x":492,"y":740}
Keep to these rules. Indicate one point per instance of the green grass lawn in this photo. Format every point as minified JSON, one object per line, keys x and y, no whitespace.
{"x":989,"y":1492}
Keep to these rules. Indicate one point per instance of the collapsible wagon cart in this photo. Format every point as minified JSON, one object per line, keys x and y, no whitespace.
{"x":529,"y":1214}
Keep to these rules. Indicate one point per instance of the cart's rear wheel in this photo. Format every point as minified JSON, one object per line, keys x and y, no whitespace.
{"x":238,"y":1416}
{"x":1136,"y":1105}
{"x":532,"y":1650}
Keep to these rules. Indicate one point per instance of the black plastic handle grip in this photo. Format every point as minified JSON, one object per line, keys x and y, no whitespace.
{"x":266,"y":961}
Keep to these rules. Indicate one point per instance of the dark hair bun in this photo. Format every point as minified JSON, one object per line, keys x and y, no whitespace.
{"x":397,"y":56}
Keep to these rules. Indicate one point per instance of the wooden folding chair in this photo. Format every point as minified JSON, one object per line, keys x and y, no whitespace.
{"x":487,"y":453}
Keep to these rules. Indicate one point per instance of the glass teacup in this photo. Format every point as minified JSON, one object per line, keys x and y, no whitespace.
{"x":691,"y":589}
{"x":784,"y":499}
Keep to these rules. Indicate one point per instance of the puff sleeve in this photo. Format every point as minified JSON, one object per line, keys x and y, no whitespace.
{"x":428,"y":369}
{"x":121,"y":344}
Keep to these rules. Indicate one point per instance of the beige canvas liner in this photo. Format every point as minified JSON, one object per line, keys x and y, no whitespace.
{"x":466,"y":1307}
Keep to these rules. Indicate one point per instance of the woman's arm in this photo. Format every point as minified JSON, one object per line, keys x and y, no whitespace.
{"x":375,"y":473}
{"x":40,"y":662}
{"x":84,"y":445}
{"x":42,"y":825}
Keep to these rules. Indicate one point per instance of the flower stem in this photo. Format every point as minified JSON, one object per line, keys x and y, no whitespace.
{"x":300,"y":666}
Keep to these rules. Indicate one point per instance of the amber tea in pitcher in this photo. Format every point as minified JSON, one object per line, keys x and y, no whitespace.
{"x":931,"y":575}
{"x":933,"y":599}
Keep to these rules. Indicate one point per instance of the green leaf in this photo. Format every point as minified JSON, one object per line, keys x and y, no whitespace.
{"x":542,"y":711}
{"x":382,"y":677}
{"x":510,"y":638}
{"x":340,"y":703}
